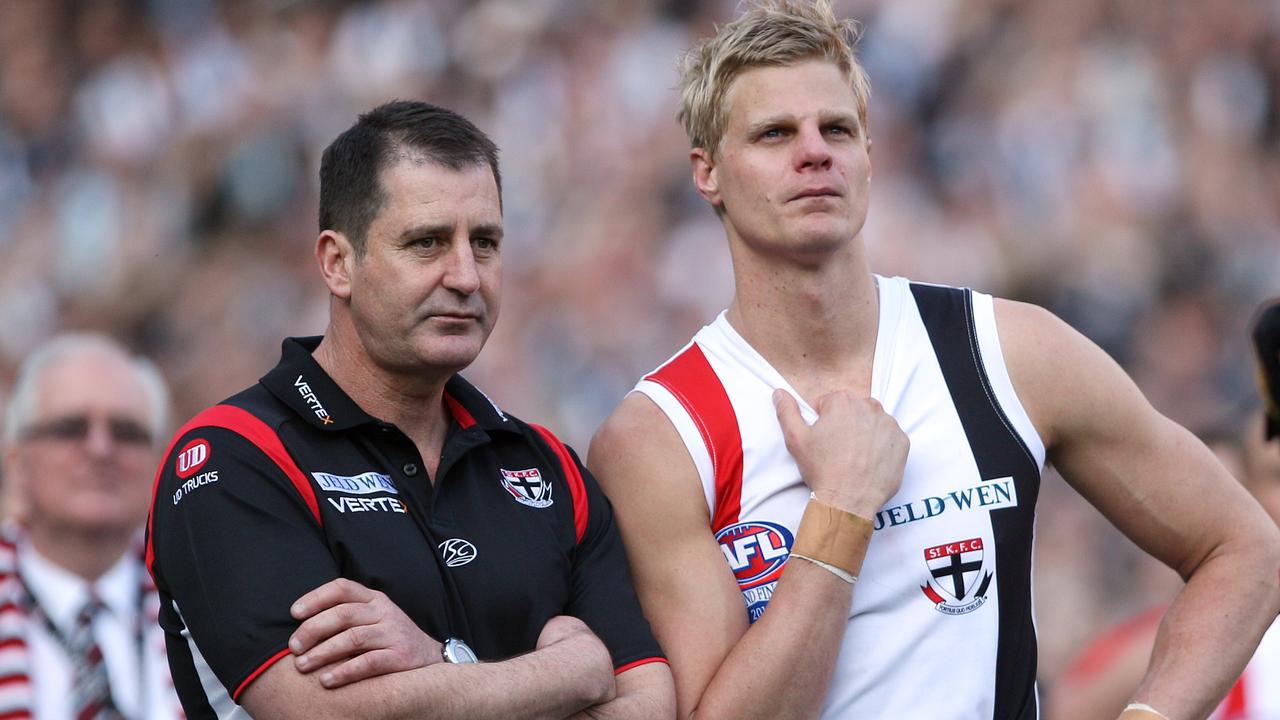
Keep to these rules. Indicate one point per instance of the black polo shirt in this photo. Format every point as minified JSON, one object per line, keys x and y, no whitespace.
{"x":289,"y":485}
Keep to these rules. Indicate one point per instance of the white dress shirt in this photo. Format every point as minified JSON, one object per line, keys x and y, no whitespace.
{"x":128,"y":656}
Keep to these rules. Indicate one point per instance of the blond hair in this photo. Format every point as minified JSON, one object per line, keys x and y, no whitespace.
{"x":769,"y":33}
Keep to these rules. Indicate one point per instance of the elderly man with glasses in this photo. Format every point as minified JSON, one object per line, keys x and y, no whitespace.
{"x":78,"y":637}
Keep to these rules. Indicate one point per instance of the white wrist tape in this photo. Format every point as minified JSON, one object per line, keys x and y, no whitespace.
{"x":838,"y":572}
{"x":1146,"y":708}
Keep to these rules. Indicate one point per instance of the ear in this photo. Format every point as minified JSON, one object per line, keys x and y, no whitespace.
{"x":337,"y":257}
{"x":704,"y":176}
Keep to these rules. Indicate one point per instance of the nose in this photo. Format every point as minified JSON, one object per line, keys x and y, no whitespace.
{"x":462,"y":275}
{"x":98,"y":441}
{"x":812,"y":149}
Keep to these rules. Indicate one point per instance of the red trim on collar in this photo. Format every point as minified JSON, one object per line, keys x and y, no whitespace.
{"x":459,"y":413}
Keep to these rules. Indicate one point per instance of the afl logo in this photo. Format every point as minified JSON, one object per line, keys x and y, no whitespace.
{"x":192,"y":458}
{"x":756,"y":551}
{"x":457,"y":552}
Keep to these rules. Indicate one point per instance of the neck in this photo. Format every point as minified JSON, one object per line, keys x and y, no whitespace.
{"x":413,"y":402}
{"x":87,"y":554}
{"x":805,"y":318}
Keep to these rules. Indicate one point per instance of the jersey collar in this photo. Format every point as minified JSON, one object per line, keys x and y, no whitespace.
{"x":299,"y":382}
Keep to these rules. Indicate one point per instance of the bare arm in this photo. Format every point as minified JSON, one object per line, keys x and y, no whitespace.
{"x":1165,"y":490}
{"x":644,"y":693}
{"x":350,"y":633}
{"x":780,"y":666}
{"x":569,"y":671}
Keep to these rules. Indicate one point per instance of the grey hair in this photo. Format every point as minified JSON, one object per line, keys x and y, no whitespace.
{"x":21,"y":409}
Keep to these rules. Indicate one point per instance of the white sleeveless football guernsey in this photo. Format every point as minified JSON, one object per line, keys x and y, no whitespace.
{"x":941,"y":622}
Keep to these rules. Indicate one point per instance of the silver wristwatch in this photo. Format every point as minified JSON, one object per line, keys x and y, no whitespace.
{"x":457,"y":651}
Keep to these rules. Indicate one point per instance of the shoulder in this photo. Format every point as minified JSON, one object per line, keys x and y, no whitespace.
{"x":1066,"y":382}
{"x":641,"y":461}
{"x":248,"y":414}
{"x":636,"y":429}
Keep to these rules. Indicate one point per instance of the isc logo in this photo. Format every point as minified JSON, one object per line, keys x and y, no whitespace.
{"x":192,"y":458}
{"x":756,"y":551}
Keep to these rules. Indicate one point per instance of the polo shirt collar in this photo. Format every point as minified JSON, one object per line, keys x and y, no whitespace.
{"x":299,"y":382}
{"x":472,"y":408}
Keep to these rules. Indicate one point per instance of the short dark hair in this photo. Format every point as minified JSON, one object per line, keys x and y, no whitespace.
{"x":351,"y":192}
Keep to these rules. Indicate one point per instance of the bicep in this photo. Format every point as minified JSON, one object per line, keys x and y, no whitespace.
{"x":1149,"y":476}
{"x":686,"y":588}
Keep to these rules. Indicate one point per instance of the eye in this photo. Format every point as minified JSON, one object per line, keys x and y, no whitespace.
{"x":842,"y":130}
{"x":485,"y":244}
{"x":773,"y":133}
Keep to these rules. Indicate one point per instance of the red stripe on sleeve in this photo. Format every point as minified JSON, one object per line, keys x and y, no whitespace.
{"x":638,"y":663}
{"x":577,"y":488}
{"x":245,"y":424}
{"x":254,"y":675}
{"x":690,"y":378}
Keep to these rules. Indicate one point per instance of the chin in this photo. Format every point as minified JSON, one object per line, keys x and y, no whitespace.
{"x":821,"y":241}
{"x":451,"y":355}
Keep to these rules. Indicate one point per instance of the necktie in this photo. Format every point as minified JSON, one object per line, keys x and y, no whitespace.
{"x":90,"y":687}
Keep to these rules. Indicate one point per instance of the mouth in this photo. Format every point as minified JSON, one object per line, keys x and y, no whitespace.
{"x":817,"y":192}
{"x":456,"y":317}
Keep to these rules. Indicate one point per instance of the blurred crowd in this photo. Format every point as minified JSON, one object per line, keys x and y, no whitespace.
{"x":1117,"y":162}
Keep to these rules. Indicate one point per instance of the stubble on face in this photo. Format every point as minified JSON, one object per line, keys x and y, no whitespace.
{"x":426,"y":292}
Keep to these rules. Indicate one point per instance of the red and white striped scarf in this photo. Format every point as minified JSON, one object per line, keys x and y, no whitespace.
{"x":17,"y":693}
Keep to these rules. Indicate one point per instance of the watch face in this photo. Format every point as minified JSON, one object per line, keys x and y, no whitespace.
{"x":457,"y":651}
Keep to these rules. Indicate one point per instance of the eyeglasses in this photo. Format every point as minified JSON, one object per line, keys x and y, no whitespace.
{"x":75,"y":428}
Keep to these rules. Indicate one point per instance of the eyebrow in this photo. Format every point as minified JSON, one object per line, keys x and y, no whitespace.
{"x":825,"y":117}
{"x":839,"y":116}
{"x":417,"y":231}
{"x":767,"y":122}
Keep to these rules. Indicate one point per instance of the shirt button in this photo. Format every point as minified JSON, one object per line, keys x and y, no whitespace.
{"x":410,"y":469}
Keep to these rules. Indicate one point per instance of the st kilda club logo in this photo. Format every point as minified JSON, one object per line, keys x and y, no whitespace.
{"x":528,"y":487}
{"x":957,"y":582}
{"x":756,"y":552}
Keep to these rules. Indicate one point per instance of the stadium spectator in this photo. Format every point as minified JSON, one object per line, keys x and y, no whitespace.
{"x":80,"y":633}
